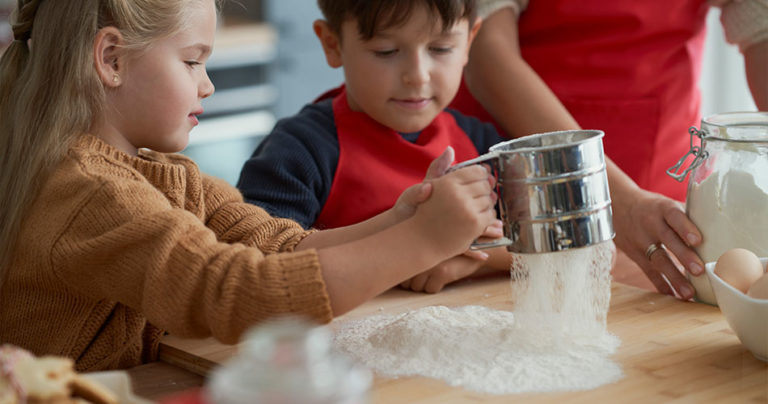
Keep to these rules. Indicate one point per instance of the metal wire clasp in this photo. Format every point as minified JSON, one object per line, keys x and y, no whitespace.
{"x":695,"y":150}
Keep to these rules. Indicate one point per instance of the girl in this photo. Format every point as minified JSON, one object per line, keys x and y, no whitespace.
{"x":108,"y":241}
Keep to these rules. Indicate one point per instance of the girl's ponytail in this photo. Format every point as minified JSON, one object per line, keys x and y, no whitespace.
{"x":17,"y":53}
{"x":46,"y":97}
{"x":50,"y":93}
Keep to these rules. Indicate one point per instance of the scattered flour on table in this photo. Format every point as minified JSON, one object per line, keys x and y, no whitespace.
{"x":555,"y":340}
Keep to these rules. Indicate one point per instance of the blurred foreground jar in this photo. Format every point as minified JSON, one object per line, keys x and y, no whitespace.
{"x":727,"y":194}
{"x":288,"y":361}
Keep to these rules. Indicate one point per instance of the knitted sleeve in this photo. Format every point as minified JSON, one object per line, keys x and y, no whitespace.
{"x":487,"y":7}
{"x":291,"y":172}
{"x":745,"y":22}
{"x":235,"y":221}
{"x":127,"y":244}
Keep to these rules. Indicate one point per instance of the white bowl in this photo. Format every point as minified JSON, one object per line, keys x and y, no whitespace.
{"x":703,"y":287}
{"x":747,"y":316}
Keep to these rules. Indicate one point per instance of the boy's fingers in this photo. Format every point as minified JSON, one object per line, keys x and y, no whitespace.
{"x":418,"y":281}
{"x":434,"y":284}
{"x":440,"y":165}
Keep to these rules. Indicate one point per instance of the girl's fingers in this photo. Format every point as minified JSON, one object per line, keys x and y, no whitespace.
{"x":495,"y":230}
{"x":471,"y":174}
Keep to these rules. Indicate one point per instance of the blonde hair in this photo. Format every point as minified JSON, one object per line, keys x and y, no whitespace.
{"x":50,"y":92}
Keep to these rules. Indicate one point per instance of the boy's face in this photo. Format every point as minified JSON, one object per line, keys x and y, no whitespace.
{"x":405,"y":75}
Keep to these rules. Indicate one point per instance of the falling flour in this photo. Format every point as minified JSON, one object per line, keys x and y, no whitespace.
{"x":555,"y":340}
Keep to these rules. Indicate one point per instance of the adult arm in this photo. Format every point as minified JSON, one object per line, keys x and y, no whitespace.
{"x":745,"y":23}
{"x":756,"y":65}
{"x":523,"y":104}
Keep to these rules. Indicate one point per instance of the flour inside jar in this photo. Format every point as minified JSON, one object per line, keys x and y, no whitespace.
{"x":729,"y":210}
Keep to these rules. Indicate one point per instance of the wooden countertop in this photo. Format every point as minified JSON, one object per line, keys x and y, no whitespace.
{"x":671,"y":350}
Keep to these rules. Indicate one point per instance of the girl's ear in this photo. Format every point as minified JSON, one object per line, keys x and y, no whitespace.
{"x":330,"y":41}
{"x":108,"y":56}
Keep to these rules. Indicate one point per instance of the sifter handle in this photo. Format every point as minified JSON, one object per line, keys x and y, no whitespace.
{"x":500,"y":242}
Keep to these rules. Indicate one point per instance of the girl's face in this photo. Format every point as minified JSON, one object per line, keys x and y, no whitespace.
{"x":161,"y":89}
{"x":405,"y":75}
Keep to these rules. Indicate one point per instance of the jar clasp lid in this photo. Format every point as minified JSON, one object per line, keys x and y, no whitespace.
{"x":695,"y":150}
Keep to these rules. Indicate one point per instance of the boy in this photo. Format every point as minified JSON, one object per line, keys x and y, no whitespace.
{"x":349,"y":155}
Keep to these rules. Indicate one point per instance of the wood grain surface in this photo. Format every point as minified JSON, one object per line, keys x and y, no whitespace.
{"x":671,"y":351}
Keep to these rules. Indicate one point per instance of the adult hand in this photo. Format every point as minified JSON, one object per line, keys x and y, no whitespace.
{"x":642,"y":220}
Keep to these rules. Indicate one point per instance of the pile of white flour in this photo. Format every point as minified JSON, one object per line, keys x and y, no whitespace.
{"x":555,"y":340}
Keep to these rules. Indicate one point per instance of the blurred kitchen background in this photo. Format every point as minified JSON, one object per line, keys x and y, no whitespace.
{"x":267,"y":64}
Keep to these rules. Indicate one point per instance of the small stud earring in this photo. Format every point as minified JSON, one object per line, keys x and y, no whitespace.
{"x":115,"y":78}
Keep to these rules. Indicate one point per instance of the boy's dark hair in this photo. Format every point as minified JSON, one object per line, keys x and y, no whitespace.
{"x":375,"y":15}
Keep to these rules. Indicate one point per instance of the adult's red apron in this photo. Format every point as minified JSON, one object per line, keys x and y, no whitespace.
{"x":376,"y":164}
{"x":627,"y":67}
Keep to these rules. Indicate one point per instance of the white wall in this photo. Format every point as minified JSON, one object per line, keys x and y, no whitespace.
{"x":723,"y":83}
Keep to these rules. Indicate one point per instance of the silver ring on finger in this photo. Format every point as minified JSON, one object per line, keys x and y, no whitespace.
{"x":652,"y":249}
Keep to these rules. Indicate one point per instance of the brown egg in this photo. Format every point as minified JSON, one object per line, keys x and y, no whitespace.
{"x":759,"y":289}
{"x":739,"y":268}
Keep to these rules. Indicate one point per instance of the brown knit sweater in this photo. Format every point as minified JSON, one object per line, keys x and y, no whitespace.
{"x":118,"y":250}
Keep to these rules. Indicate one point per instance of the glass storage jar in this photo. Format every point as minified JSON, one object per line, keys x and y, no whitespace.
{"x":727,"y":195}
{"x":289,"y":361}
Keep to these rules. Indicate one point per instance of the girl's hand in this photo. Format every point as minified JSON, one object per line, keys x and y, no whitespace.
{"x":413,"y":196}
{"x":417,"y":194}
{"x":459,"y":210}
{"x":494,"y":231}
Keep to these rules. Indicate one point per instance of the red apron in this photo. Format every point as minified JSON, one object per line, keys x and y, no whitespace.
{"x":376,"y":164}
{"x":627,"y":67}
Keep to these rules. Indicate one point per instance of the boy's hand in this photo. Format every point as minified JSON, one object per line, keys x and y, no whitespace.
{"x":450,"y":270}
{"x":453,"y":269}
